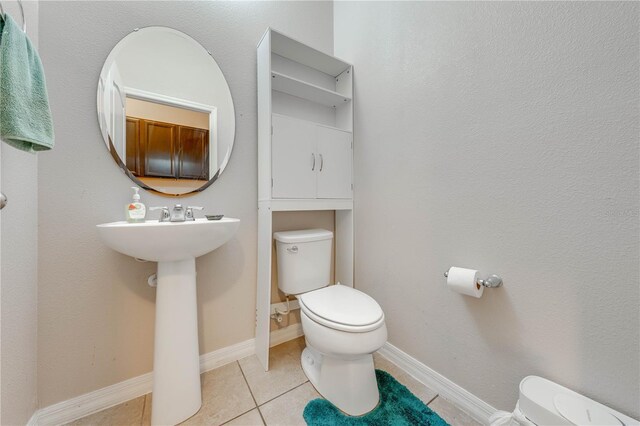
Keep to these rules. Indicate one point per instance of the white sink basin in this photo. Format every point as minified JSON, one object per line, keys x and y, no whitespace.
{"x":168,"y":241}
{"x":176,"y":358}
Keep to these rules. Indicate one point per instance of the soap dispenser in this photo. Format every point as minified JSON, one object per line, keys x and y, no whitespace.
{"x":135,"y":211}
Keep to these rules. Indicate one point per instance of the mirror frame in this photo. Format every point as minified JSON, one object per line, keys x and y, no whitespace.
{"x":107,"y":137}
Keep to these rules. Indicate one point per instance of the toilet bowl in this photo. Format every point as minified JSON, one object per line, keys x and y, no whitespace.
{"x":338,"y":358}
{"x":343,"y":326}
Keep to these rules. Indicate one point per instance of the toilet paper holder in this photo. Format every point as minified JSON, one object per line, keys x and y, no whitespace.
{"x":492,"y":281}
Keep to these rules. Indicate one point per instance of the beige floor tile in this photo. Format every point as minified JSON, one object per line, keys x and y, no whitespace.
{"x":224,"y":387}
{"x":146,"y":413}
{"x":227,"y":398}
{"x":452,"y":414}
{"x":424,"y":393}
{"x":125,"y":414}
{"x":287,"y":409}
{"x":252,"y":418}
{"x":285,"y":371}
{"x":225,"y":395}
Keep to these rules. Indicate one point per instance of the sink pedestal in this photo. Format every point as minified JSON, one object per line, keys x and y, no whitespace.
{"x":175,"y":246}
{"x":176,"y":362}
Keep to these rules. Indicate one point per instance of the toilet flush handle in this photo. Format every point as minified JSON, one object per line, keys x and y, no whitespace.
{"x":293,"y":249}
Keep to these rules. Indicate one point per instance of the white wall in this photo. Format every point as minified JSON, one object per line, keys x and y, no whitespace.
{"x":18,"y":276}
{"x":96,"y":311}
{"x":504,"y":138}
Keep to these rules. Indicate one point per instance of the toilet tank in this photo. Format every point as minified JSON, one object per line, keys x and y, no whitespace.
{"x":304,"y":260}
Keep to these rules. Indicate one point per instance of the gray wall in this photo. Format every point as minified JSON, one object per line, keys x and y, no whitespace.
{"x":504,"y":138}
{"x":18,"y":276}
{"x":96,"y":311}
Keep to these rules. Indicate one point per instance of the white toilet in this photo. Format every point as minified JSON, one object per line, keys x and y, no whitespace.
{"x":343,"y":327}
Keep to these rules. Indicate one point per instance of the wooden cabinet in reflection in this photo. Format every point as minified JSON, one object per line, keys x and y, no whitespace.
{"x":166,"y":150}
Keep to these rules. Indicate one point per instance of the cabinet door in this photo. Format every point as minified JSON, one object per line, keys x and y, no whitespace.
{"x":335,"y":163}
{"x":194,"y":153}
{"x":292,"y":158}
{"x":133,"y":146}
{"x":159,"y":149}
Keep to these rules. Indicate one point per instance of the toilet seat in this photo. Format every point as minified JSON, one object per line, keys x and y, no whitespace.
{"x":342,"y":308}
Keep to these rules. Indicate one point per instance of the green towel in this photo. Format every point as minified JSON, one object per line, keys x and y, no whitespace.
{"x":25,"y":117}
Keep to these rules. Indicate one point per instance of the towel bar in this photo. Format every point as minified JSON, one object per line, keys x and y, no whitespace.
{"x":24,"y":20}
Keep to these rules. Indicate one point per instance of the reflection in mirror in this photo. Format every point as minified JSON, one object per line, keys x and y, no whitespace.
{"x":167,"y":147}
{"x":165,"y":111}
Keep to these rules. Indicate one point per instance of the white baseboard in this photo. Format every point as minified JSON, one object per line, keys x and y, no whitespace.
{"x":89,"y":403}
{"x":463,"y":399}
{"x":285,"y":334}
{"x":226,"y":355}
{"x":92,"y":402}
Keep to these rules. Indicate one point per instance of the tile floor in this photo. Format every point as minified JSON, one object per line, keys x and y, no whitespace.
{"x":242,"y":393}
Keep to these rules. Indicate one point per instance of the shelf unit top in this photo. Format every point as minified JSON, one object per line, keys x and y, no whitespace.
{"x":302,"y":89}
{"x":292,"y":204}
{"x":290,"y":48}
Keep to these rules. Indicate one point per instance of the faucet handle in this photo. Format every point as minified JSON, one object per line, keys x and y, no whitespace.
{"x":164,"y":215}
{"x":189,"y":214}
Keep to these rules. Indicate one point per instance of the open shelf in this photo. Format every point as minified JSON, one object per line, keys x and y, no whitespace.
{"x":296,"y":51}
{"x":301,"y":89}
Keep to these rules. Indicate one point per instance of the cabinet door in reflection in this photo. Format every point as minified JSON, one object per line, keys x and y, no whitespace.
{"x":167,"y":150}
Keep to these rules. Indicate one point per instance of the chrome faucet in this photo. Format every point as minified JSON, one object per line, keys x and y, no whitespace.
{"x":177,"y":214}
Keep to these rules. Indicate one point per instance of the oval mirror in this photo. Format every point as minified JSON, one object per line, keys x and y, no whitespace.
{"x":165,"y":111}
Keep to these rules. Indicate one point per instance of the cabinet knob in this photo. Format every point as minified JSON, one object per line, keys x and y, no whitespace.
{"x":313,"y":166}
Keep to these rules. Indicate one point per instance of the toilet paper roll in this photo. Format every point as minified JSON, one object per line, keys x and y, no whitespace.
{"x":464,"y":281}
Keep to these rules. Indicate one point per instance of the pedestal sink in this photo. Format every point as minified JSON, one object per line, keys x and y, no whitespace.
{"x":175,"y":246}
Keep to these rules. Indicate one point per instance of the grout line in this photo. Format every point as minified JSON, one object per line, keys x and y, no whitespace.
{"x":248,"y":386}
{"x":285,"y":392}
{"x":251,"y":392}
{"x":239,"y":415}
{"x":433,"y":399}
{"x":264,"y":422}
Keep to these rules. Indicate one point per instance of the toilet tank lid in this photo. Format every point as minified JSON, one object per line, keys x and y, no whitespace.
{"x":303,"y":236}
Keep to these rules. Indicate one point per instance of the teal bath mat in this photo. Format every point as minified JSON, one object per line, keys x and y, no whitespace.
{"x":397,"y":407}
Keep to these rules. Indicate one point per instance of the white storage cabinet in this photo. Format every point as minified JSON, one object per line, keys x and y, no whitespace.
{"x":309,"y":160}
